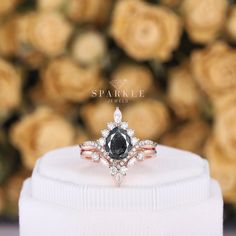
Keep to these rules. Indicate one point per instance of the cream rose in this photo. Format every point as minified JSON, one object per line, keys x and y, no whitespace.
{"x":190,"y":136}
{"x":93,"y":11}
{"x":145,"y":31}
{"x":89,"y":48}
{"x":13,"y":189}
{"x":48,"y":32}
{"x":149,"y":118}
{"x":64,"y":80}
{"x":8,"y":42}
{"x":40,"y":97}
{"x":81,"y":135}
{"x":215,"y":69}
{"x":132,"y":81}
{"x":224,"y":102}
{"x":10,"y":87}
{"x":204,"y":19}
{"x":24,"y":49}
{"x":50,"y":4}
{"x":171,"y":3}
{"x":182,"y":93}
{"x":96,"y":116}
{"x":2,"y":200}
{"x":231,"y":23}
{"x":7,"y":6}
{"x":222,"y":168}
{"x":225,"y":130}
{"x":40,"y":132}
{"x":14,"y":39}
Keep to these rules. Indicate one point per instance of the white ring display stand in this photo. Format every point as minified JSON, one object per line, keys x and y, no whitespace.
{"x":171,"y":194}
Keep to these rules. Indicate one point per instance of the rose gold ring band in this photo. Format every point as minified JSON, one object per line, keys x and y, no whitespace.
{"x":118,"y":148}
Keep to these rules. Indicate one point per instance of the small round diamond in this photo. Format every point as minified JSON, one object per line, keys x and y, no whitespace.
{"x":113,"y":170}
{"x":89,"y":143}
{"x":131,"y":161}
{"x":130,"y":132}
{"x":95,"y":156}
{"x":134,"y":140}
{"x":124,"y":125}
{"x":140,"y":156}
{"x":102,"y":141}
{"x":111,"y":125}
{"x":105,"y":133}
{"x":123,"y":170}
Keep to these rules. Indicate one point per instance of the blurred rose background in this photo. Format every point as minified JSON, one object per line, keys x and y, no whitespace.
{"x":170,"y":65}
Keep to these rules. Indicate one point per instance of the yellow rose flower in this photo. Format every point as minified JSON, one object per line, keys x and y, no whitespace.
{"x":92,"y":11}
{"x":40,"y":97}
{"x":225,"y":130}
{"x":231,"y":23}
{"x":132,"y":80}
{"x":24,"y":49}
{"x":223,"y":169}
{"x":13,"y":189}
{"x":8,"y":40}
{"x":23,"y":25}
{"x":182,"y":93}
{"x":224,"y":102}
{"x":10,"y":87}
{"x":171,"y":3}
{"x":45,"y":32}
{"x":40,"y":132}
{"x":50,"y":4}
{"x":214,"y":68}
{"x":81,"y":135}
{"x":7,"y":6}
{"x":149,"y":118}
{"x":49,"y":32}
{"x":64,"y":80}
{"x":204,"y":19}
{"x":145,"y":31}
{"x":182,"y":137}
{"x":96,"y":116}
{"x":89,"y":48}
{"x":2,"y":200}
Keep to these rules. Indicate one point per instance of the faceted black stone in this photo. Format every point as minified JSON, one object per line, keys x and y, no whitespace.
{"x":118,"y":143}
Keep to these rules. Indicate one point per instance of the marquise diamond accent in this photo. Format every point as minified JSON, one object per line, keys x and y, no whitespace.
{"x":117,"y":115}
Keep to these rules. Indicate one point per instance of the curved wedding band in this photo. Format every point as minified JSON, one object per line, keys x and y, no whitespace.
{"x":118,"y":148}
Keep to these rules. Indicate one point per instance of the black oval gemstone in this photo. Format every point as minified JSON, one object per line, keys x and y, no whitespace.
{"x":118,"y":143}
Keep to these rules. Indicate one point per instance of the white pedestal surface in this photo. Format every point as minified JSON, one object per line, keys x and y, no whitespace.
{"x":171,"y":194}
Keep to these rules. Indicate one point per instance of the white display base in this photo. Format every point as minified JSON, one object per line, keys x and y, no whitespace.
{"x":170,"y":195}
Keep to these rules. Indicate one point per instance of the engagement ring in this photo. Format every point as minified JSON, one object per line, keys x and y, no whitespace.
{"x":118,"y":148}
